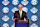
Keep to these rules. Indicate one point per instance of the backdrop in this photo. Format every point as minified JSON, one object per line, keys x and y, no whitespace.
{"x":10,"y":14}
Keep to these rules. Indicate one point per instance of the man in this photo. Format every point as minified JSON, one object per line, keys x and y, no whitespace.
{"x":20,"y":15}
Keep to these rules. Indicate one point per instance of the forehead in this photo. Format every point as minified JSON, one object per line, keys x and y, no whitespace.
{"x":20,"y":5}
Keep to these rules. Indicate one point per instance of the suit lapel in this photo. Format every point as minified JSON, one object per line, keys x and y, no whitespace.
{"x":22,"y":13}
{"x":18,"y":14}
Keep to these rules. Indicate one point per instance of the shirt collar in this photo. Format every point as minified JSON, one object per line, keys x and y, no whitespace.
{"x":20,"y":11}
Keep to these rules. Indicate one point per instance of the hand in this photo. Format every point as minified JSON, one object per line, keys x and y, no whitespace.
{"x":29,"y":22}
{"x":13,"y":20}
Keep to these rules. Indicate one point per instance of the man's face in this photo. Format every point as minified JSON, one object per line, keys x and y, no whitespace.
{"x":20,"y":7}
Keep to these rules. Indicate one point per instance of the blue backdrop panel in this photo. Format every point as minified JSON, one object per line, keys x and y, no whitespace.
{"x":10,"y":14}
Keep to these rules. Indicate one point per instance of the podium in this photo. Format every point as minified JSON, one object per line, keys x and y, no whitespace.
{"x":22,"y":23}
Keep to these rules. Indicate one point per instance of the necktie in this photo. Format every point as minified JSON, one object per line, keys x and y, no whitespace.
{"x":20,"y":14}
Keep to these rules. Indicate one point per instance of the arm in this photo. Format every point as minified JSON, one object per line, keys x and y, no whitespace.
{"x":14,"y":17}
{"x":27,"y":18}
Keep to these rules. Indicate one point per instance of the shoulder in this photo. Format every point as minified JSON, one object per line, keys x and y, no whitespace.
{"x":24,"y":12}
{"x":16,"y":11}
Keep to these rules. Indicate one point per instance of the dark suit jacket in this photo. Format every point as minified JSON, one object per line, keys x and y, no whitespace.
{"x":17,"y":15}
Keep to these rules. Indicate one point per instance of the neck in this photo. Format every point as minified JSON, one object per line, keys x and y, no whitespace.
{"x":20,"y":10}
